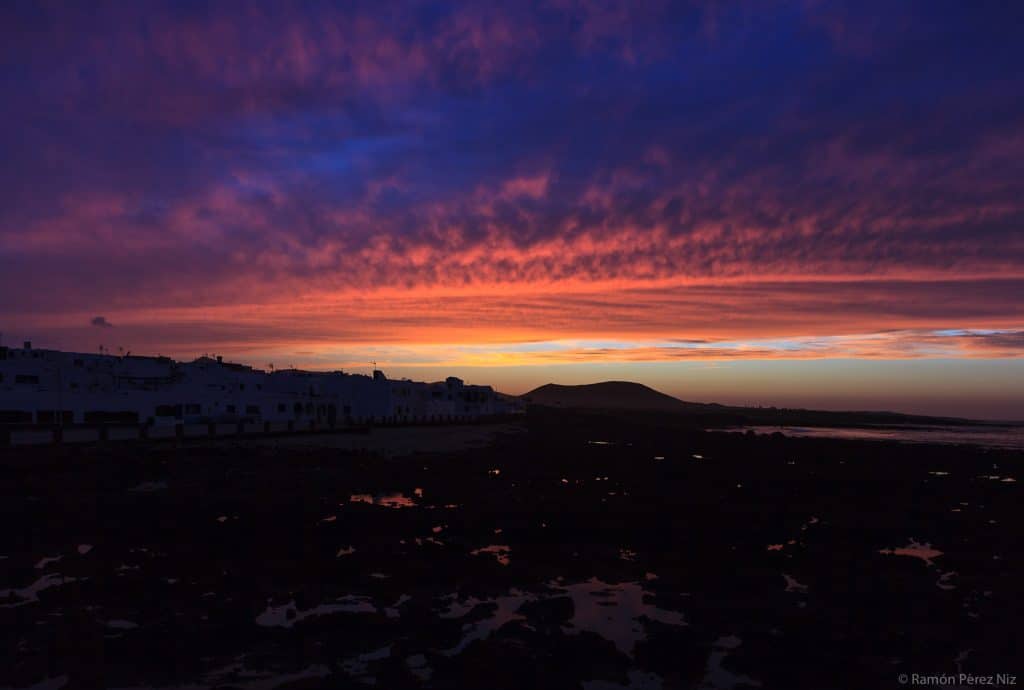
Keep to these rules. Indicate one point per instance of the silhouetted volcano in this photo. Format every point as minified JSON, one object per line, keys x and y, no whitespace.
{"x":624,"y":395}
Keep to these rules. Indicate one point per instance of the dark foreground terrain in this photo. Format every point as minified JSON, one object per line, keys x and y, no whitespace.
{"x":582,"y":551}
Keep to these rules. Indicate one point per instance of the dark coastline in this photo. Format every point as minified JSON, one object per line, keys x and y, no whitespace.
{"x":170,"y":595}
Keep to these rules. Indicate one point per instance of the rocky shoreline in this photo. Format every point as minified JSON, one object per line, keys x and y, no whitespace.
{"x":574,"y":550}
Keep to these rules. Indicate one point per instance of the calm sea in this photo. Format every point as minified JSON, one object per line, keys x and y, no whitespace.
{"x":989,"y":436}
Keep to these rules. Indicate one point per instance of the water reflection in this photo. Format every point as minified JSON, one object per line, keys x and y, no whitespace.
{"x":387,"y":500}
{"x":614,"y":611}
{"x":119,"y":624}
{"x":944,"y":581}
{"x":30,"y":594}
{"x":238,"y":675}
{"x":915,"y":549}
{"x":717,"y":676}
{"x":504,"y":610}
{"x":287,"y":615}
{"x":792,"y":585}
{"x":500,"y":552}
{"x":358,"y":665}
{"x":992,"y":435}
{"x":147,"y":487}
{"x":417,"y":665}
{"x":43,"y":562}
{"x":393,"y":610}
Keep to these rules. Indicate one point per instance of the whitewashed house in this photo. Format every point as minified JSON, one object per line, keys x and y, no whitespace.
{"x":55,"y":388}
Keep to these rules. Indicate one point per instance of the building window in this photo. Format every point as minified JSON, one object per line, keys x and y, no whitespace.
{"x":110,"y":417}
{"x":252,"y":409}
{"x":281,"y":407}
{"x":26,"y":378}
{"x":231,"y":409}
{"x":54,"y":417}
{"x":192,"y":408}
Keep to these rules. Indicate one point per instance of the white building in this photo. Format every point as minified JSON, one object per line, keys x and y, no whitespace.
{"x":51,"y":387}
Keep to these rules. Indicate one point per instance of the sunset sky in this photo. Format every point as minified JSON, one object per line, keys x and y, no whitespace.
{"x":792,"y":203}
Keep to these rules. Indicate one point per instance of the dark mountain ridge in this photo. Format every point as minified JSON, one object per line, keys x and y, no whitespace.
{"x":636,"y":397}
{"x":608,"y":395}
